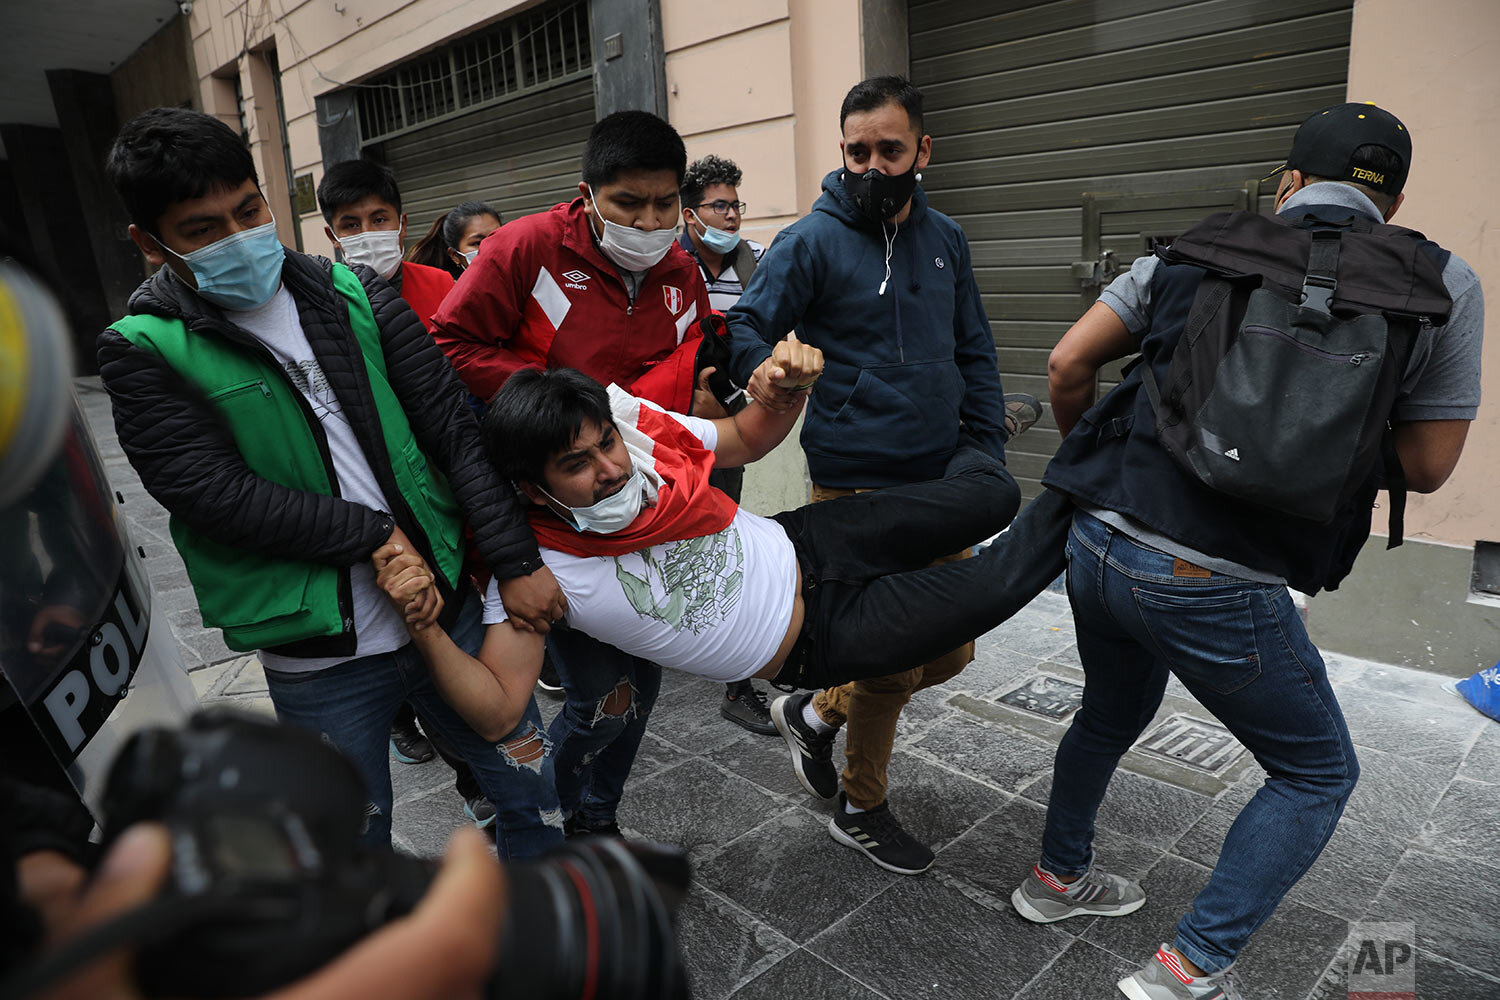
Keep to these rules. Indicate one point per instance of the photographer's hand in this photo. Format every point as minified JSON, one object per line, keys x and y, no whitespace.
{"x":130,"y":876}
{"x":444,"y":949}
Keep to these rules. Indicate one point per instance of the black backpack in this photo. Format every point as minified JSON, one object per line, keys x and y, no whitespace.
{"x":1280,"y":388}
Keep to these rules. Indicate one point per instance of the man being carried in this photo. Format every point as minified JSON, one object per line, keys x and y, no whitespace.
{"x":597,"y":284}
{"x":655,"y":561}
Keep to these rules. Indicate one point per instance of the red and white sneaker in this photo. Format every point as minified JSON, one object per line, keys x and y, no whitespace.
{"x":1043,"y":899}
{"x":1165,"y":978}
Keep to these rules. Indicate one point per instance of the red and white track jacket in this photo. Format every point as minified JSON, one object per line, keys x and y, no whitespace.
{"x":542,"y":294}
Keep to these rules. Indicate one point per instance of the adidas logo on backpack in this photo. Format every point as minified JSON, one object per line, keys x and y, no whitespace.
{"x":1233,"y":453}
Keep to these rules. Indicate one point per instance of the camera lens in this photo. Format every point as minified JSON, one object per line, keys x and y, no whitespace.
{"x":593,"y":919}
{"x":265,"y":823}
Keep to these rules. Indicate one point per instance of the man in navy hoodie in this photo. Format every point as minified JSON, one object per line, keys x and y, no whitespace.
{"x":883,"y":285}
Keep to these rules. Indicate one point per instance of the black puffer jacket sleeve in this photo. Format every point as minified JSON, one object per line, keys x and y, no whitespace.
{"x":435,"y":403}
{"x":188,"y":461}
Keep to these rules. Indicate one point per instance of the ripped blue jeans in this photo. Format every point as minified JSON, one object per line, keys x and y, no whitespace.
{"x":609,"y":695}
{"x":352,"y":705}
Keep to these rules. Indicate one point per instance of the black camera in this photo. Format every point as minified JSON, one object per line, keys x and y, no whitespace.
{"x":265,"y":823}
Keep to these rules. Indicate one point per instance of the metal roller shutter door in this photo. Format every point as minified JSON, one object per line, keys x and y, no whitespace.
{"x":1051,"y":119}
{"x":521,"y":156}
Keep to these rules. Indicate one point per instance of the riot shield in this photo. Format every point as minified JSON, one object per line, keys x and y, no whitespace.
{"x":81,"y":651}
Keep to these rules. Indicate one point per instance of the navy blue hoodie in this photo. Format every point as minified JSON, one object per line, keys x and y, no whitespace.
{"x":903,"y":370}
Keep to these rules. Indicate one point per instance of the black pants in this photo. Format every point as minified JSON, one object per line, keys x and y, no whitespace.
{"x":875,"y":606}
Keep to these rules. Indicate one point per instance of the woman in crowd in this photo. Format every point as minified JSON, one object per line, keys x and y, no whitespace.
{"x":453,"y":240}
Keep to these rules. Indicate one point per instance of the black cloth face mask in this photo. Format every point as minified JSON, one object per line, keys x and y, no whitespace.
{"x":879,"y":195}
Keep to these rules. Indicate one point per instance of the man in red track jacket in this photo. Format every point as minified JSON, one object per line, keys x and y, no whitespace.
{"x":362,"y":208}
{"x":598,"y":284}
{"x":577,"y":287}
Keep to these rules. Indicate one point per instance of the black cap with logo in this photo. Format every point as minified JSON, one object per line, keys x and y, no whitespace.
{"x":1325,"y":143}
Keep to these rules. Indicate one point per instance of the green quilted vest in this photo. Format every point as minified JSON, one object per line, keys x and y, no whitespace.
{"x":263,"y":601}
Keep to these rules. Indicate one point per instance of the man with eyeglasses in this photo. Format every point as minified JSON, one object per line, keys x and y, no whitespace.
{"x":711,"y":215}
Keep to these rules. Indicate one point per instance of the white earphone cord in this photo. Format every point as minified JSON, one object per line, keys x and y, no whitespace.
{"x":890,"y":246}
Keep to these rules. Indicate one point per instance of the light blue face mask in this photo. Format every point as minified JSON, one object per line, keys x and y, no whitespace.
{"x":720,"y":241}
{"x":613,"y":513}
{"x":238,"y":272}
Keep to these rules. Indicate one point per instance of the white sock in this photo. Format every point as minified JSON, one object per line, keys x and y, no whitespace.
{"x":852,"y":809}
{"x":812,"y":718}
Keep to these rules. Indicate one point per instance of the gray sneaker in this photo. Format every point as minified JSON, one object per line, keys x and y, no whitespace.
{"x":1164,"y":978}
{"x":1021,"y":411}
{"x":1043,"y":899}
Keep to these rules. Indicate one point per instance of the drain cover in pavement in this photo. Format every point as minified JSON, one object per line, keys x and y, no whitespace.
{"x":1204,"y":746}
{"x":1049,"y":697}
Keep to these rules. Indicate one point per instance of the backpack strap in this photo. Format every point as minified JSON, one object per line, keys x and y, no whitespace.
{"x":1395,"y":485}
{"x":1393,"y":474}
{"x":1321,"y":279}
{"x":744,"y":264}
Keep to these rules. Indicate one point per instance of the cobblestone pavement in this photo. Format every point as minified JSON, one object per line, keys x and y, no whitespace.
{"x":779,"y":908}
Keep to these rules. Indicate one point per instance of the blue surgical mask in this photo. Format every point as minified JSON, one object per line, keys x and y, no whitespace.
{"x":720,"y":241}
{"x":613,"y":513}
{"x":238,"y":272}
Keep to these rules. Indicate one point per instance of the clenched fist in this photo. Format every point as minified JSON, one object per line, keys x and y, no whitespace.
{"x":792,"y":368}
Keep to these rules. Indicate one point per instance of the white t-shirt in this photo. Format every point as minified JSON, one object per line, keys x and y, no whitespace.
{"x":377,"y":624}
{"x":717,"y":606}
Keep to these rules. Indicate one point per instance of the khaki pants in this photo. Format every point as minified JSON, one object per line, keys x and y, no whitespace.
{"x":870,"y":708}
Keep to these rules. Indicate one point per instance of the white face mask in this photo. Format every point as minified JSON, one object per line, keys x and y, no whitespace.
{"x":611,"y":514}
{"x":469,"y":257}
{"x":379,"y":250}
{"x":631,"y":248}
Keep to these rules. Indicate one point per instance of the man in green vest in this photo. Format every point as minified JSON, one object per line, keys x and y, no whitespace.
{"x":294,"y":416}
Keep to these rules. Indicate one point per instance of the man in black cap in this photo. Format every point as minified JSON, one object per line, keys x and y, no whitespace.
{"x":1175,"y":567}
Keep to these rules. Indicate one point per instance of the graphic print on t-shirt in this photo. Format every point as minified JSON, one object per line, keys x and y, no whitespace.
{"x":695,"y":584}
{"x":307,"y":375}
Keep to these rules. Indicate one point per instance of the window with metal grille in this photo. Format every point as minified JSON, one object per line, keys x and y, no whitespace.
{"x":540,"y":48}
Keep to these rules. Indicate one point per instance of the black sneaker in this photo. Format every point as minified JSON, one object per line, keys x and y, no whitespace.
{"x":745,"y":706}
{"x":876,"y":832}
{"x":548,"y":680}
{"x":812,"y":751}
{"x":576,"y":829}
{"x":480,"y":811}
{"x":409,"y":745}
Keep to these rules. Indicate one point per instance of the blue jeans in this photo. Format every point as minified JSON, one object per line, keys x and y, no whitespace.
{"x":1242,"y":651}
{"x":609,"y":695}
{"x":352,"y":706}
